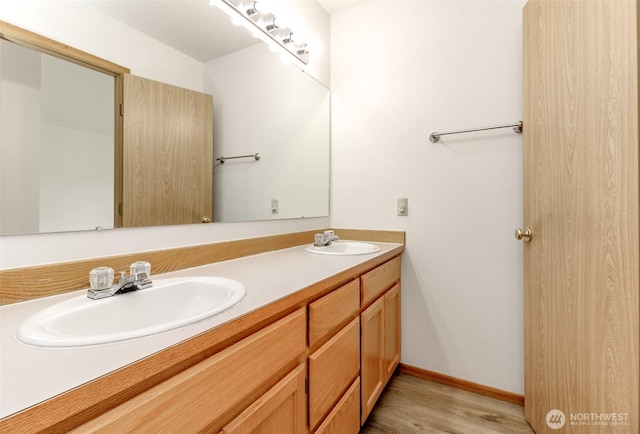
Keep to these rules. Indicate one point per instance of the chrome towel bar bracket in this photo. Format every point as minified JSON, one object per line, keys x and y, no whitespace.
{"x":435,"y":136}
{"x":255,"y":156}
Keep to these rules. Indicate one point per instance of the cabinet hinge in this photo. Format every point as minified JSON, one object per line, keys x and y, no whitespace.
{"x":121,"y":109}
{"x":306,"y":386}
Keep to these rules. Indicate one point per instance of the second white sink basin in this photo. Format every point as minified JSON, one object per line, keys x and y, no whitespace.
{"x":344,"y":248}
{"x":169,"y":304}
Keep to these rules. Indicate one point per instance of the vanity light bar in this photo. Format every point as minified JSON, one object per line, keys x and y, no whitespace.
{"x":264,"y":25}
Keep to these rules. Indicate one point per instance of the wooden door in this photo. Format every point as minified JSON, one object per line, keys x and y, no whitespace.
{"x":581,"y":203}
{"x":167,"y":155}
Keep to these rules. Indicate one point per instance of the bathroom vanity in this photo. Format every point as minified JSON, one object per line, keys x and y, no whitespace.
{"x":315,"y":339}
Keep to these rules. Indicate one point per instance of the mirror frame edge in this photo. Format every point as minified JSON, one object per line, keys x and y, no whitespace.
{"x":26,"y":38}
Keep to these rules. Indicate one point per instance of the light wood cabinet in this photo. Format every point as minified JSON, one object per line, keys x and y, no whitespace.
{"x":259,"y":384}
{"x":208,"y":395}
{"x":380,"y":332}
{"x":334,"y":364}
{"x":332,"y":312}
{"x":283,"y":409}
{"x":377,"y":281}
{"x":345,"y":416}
{"x":332,"y":369}
{"x":391,"y":330}
{"x":373,"y":370}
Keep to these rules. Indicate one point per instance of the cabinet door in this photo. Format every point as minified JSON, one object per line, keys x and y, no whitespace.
{"x":345,"y":416}
{"x":391,"y":330}
{"x":372,"y":371}
{"x":281,"y":410}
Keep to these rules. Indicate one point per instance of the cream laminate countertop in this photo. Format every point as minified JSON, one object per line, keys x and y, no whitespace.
{"x":30,"y":375}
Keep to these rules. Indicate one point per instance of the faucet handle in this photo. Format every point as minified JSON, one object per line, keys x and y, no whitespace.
{"x":330,"y":235}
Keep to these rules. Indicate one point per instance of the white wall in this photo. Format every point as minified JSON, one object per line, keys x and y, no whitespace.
{"x":19,"y":136}
{"x":68,"y":22}
{"x":399,"y":70}
{"x":76,"y":143}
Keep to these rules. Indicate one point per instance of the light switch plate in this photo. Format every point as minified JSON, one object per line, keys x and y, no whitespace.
{"x":403,"y":206}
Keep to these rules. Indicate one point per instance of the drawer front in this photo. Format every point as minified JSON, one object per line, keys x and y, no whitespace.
{"x":328,"y":314}
{"x":378,"y":280}
{"x":345,"y":416}
{"x":205,"y":395}
{"x":283,"y":409}
{"x":332,"y":369}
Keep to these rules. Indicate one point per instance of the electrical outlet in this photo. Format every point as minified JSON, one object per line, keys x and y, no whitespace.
{"x":403,"y":206}
{"x":275,"y":206}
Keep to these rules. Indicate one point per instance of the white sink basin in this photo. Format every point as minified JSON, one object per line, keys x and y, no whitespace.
{"x":169,"y":304}
{"x":344,"y":248}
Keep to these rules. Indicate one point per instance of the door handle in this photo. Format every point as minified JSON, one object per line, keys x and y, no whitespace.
{"x":523,"y":235}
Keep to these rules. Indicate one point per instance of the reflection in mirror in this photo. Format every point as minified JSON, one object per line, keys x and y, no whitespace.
{"x":260,"y":106}
{"x":57,"y":136}
{"x":275,"y":110}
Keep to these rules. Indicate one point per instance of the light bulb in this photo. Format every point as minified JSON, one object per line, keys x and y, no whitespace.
{"x":253,"y":9}
{"x":289,"y":39}
{"x":272,"y":25}
{"x":302,"y":49}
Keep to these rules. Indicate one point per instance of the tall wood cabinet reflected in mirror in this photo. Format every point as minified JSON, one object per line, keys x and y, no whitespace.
{"x":168,"y":158}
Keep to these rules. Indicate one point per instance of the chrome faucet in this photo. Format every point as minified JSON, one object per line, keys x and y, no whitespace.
{"x":132,"y":282}
{"x":325,"y":238}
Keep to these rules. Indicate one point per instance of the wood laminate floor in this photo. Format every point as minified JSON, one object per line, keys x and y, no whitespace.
{"x":413,"y":405}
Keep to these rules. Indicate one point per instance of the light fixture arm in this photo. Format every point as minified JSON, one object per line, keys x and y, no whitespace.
{"x":267,"y":28}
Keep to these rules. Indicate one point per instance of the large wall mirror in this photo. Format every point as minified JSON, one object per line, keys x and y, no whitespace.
{"x":57,"y":143}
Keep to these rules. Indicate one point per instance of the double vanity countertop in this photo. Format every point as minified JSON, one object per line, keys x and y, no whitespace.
{"x":30,"y":375}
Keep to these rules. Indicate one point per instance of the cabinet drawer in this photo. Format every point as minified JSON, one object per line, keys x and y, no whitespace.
{"x":332,"y":369}
{"x":378,"y":280}
{"x":328,"y":314}
{"x":205,"y":395}
{"x":283,"y":409}
{"x":345,"y":416}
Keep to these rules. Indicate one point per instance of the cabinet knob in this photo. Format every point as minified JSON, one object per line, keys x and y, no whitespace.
{"x":206,"y":219}
{"x":523,"y":235}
